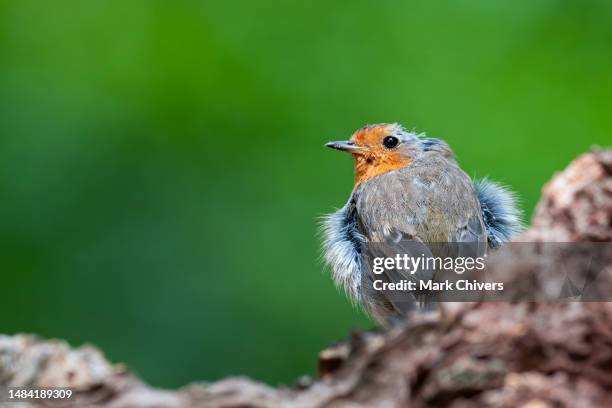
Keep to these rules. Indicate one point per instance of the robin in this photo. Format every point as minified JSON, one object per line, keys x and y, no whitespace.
{"x":409,"y":187}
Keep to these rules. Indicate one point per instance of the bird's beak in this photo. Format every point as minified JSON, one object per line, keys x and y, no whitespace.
{"x":345,"y":146}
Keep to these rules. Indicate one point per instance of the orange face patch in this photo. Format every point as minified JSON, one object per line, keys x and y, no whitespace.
{"x":375,"y":159}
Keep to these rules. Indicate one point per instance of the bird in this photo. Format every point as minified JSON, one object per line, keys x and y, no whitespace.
{"x":408,"y":187}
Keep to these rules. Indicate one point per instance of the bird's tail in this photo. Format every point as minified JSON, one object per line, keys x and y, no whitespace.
{"x":500,"y":211}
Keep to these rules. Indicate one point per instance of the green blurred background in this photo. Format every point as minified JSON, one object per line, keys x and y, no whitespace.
{"x":162,"y":164}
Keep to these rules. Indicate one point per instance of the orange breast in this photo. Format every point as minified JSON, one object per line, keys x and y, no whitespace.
{"x":373,"y":165}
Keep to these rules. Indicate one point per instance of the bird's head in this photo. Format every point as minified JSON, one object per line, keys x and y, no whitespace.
{"x":378,"y":149}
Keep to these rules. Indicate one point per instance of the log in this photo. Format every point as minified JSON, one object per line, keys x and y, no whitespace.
{"x":500,"y":354}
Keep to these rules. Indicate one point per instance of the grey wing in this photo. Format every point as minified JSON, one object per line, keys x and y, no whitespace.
{"x":342,"y":246}
{"x":467,"y":234}
{"x":471,"y":233}
{"x":471,"y":239}
{"x":472,"y":229}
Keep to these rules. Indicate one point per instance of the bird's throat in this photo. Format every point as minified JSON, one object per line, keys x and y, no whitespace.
{"x":367,"y":167}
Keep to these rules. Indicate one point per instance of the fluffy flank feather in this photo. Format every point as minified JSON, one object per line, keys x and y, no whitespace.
{"x":500,"y":211}
{"x":342,"y":250}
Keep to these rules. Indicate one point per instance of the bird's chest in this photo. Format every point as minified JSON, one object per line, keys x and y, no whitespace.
{"x":409,"y":205}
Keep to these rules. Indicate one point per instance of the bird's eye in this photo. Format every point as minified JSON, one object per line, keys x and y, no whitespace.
{"x":390,"y":142}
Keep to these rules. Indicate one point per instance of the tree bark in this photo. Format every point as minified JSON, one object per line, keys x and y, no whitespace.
{"x":468,"y":355}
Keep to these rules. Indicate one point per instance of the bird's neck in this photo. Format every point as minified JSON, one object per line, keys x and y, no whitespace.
{"x":367,"y":167}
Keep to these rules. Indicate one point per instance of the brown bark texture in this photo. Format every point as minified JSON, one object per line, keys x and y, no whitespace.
{"x":500,"y":354}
